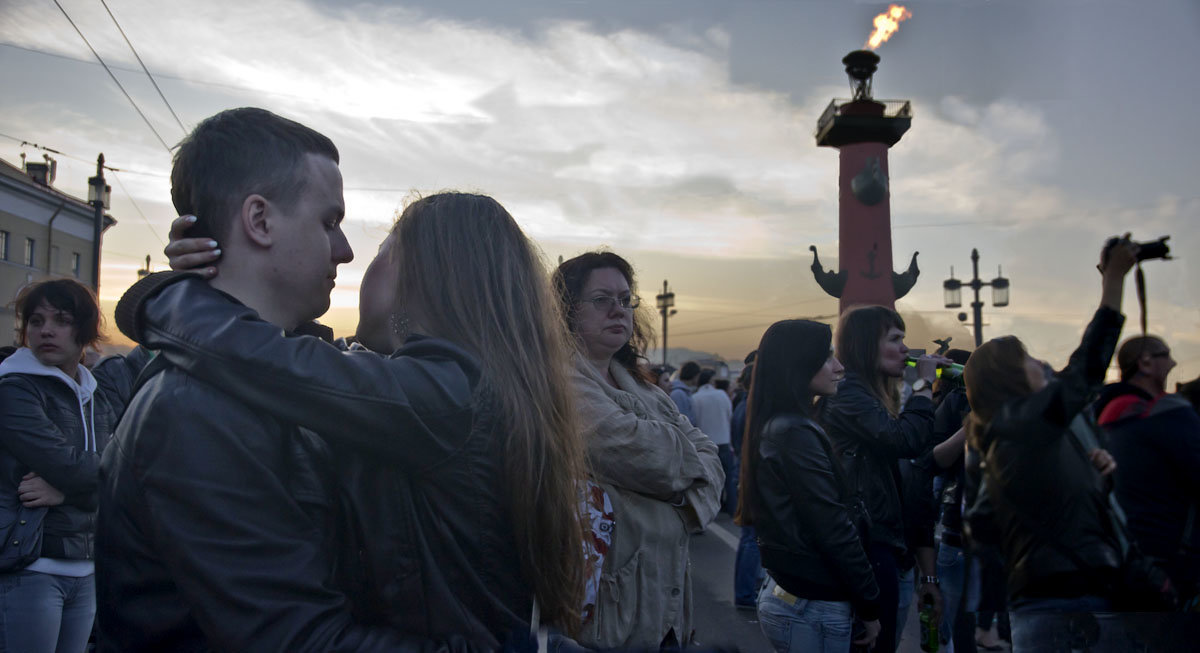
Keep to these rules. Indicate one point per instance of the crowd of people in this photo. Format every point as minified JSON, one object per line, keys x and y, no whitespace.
{"x":491,"y":464}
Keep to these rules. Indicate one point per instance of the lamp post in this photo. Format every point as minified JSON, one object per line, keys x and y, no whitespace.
{"x":953,"y":294}
{"x":98,"y":196}
{"x":665,"y":302}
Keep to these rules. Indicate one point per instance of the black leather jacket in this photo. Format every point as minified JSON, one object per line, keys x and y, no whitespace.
{"x":43,"y":432}
{"x":806,"y":523}
{"x":1045,"y":483}
{"x":414,"y":453}
{"x":869,"y":442}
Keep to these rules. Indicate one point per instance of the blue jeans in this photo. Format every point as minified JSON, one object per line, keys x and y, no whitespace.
{"x":747,"y":570}
{"x":807,"y":625}
{"x":952,"y":571}
{"x":44,"y":613}
{"x":1076,"y":624}
{"x":907,"y":579}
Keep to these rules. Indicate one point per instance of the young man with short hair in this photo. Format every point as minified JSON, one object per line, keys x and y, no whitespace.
{"x":219,"y":525}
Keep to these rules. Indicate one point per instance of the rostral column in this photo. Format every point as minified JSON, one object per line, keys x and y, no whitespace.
{"x":862,"y":129}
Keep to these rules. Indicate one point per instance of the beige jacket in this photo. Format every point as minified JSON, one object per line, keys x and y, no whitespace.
{"x":665,"y":480}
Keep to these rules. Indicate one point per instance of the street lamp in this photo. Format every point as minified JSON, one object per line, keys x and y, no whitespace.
{"x":999,"y":290}
{"x":953,"y":290}
{"x":99,"y":194}
{"x":665,"y":301}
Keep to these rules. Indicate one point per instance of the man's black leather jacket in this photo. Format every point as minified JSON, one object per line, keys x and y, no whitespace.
{"x":869,"y":442}
{"x":424,"y":541}
{"x":806,"y":521}
{"x":1048,"y":489}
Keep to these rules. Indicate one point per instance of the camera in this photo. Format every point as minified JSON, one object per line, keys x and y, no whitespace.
{"x":1146,"y":251}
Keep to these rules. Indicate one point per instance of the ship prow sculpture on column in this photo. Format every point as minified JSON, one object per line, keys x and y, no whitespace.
{"x":862,"y":129}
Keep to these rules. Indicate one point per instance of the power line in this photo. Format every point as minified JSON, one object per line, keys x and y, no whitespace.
{"x":138,"y":209}
{"x":189,"y":80}
{"x":107,"y":167}
{"x":147,"y":71}
{"x":114,"y":77}
{"x":51,"y":150}
{"x":747,"y":326}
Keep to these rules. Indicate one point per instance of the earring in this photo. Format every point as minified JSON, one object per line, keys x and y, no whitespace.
{"x":399,"y":326}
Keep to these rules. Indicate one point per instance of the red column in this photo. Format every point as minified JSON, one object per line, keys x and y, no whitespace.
{"x":865,"y":230}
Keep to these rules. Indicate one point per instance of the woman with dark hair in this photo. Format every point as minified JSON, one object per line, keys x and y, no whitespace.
{"x":794,"y":493}
{"x":54,"y":422}
{"x":1044,"y":480}
{"x":661,"y":473}
{"x":456,"y":441}
{"x":870,"y":434}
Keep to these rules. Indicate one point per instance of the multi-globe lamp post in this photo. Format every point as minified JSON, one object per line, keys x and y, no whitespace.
{"x":953,"y":294}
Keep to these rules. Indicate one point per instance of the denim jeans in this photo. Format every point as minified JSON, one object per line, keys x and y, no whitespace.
{"x":905,"y":600}
{"x":808,"y":625}
{"x":747,"y":570}
{"x":1076,"y":624}
{"x":45,"y":613}
{"x":952,"y":572}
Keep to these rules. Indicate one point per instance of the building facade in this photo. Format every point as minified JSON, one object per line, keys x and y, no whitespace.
{"x":43,"y":233}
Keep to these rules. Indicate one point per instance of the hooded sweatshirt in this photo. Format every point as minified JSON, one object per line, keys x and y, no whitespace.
{"x":23,"y":361}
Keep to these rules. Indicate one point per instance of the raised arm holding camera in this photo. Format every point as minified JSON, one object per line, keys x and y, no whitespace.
{"x":1047,"y":485}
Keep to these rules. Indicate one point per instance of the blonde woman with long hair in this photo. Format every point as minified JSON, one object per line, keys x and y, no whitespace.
{"x":456,"y":441}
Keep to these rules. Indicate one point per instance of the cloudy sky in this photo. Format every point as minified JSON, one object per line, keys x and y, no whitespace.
{"x":678,"y":133}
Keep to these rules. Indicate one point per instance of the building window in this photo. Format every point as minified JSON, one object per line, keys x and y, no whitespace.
{"x":3,"y":245}
{"x":75,"y":264}
{"x":29,"y":252}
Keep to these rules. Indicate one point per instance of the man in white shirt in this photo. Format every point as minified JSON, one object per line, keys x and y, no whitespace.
{"x":713,"y":410}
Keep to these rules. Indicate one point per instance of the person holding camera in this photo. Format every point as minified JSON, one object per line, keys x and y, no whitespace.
{"x":1046,"y":483}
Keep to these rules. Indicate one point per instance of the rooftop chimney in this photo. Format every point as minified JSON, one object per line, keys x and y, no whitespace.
{"x":42,"y":173}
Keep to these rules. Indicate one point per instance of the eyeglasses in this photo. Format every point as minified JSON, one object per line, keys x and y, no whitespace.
{"x":605,"y":303}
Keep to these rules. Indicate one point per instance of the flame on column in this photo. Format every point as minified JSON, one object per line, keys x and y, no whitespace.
{"x":886,"y":24}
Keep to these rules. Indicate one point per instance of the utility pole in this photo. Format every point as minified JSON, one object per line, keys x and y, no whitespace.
{"x":953,"y":291}
{"x":98,"y":196}
{"x":665,"y":302}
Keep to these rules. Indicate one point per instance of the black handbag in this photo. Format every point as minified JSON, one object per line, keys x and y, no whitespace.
{"x":22,"y":543}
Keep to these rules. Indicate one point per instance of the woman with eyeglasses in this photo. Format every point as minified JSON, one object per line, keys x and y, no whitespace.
{"x":794,"y":492}
{"x":661,"y":473}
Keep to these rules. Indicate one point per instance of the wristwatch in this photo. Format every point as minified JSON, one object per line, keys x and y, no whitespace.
{"x":919,"y":385}
{"x":929,"y":580}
